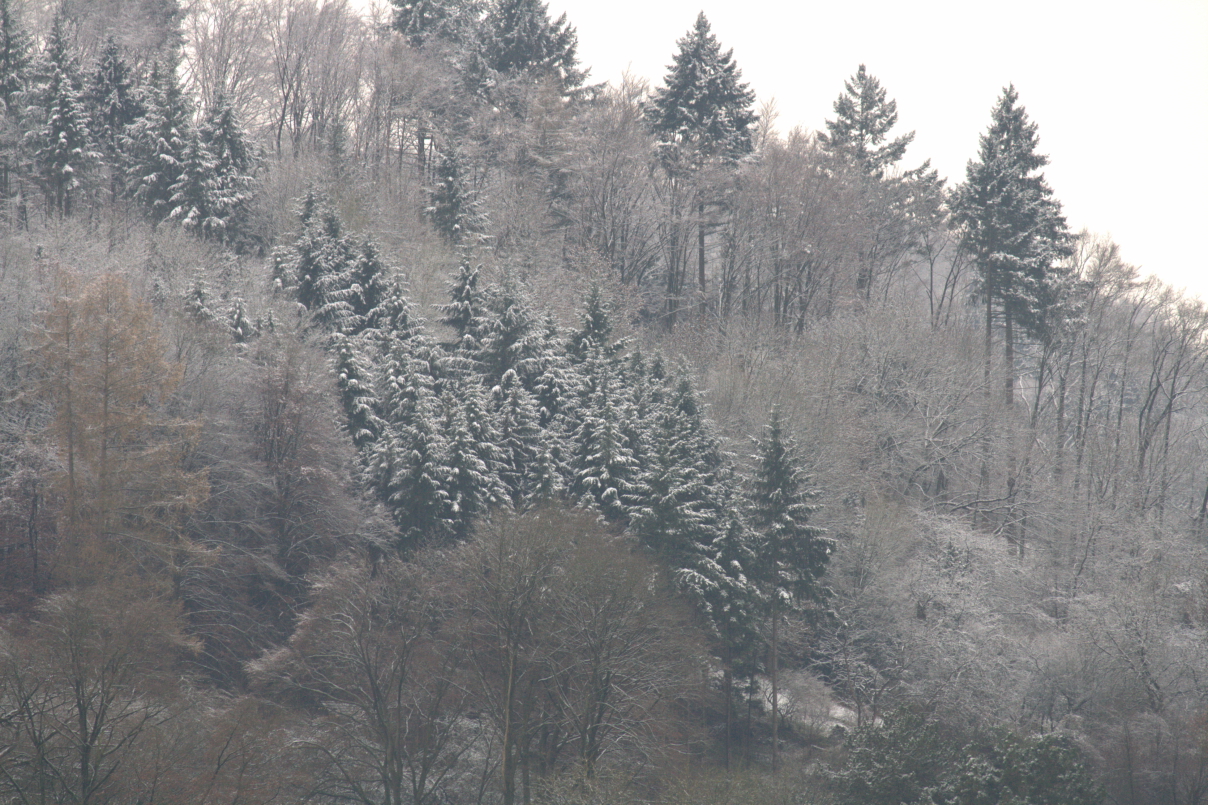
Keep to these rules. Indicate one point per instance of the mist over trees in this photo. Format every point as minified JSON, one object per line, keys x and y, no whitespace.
{"x":391,"y":414}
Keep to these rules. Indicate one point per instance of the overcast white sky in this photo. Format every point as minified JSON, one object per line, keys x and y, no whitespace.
{"x":1119,"y":90}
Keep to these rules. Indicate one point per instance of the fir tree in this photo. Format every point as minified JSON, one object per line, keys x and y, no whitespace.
{"x":233,"y":183}
{"x":159,"y":141}
{"x":242,"y":328}
{"x":354,"y":380}
{"x":406,"y":463}
{"x":528,"y":461}
{"x":1013,"y":227}
{"x":864,"y":116}
{"x":371,"y":286}
{"x":114,"y":106}
{"x":16,"y":56}
{"x":426,"y":21}
{"x":191,"y":193}
{"x":520,"y":41}
{"x":453,"y":207}
{"x":703,"y":106}
{"x":602,"y":465}
{"x":319,"y":265}
{"x":792,"y":553}
{"x":472,"y":457}
{"x":63,"y":150}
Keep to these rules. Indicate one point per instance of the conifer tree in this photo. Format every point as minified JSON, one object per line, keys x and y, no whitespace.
{"x":453,"y":207}
{"x":235,"y":165}
{"x":864,"y":116}
{"x":426,"y":21}
{"x":602,"y":465}
{"x":528,"y":461}
{"x":371,"y":286}
{"x":354,"y":380}
{"x":1013,"y":228}
{"x":114,"y":107}
{"x":64,"y":143}
{"x":191,"y":193}
{"x":159,"y":141}
{"x":319,"y":265}
{"x":470,"y":470}
{"x":703,"y":106}
{"x":701,"y":115}
{"x":520,"y":41}
{"x":792,"y":553}
{"x":406,"y":463}
{"x":16,"y":55}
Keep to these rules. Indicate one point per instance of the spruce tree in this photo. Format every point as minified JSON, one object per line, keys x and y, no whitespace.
{"x":453,"y":207}
{"x":792,"y":553}
{"x":114,"y":107}
{"x":1012,"y":226}
{"x":864,"y":116}
{"x":703,"y":106}
{"x":235,"y":165}
{"x":64,"y":142}
{"x":354,"y":380}
{"x":192,"y":192}
{"x":16,"y":55}
{"x":520,"y":41}
{"x":319,"y":265}
{"x":425,"y":21}
{"x":701,"y":115}
{"x":159,"y":141}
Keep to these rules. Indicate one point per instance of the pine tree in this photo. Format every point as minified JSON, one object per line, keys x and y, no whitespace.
{"x":158,"y":142}
{"x":701,"y":115}
{"x":354,"y":380}
{"x":16,"y":56}
{"x":242,"y":328}
{"x":453,"y":207}
{"x":64,"y":143}
{"x":1013,"y":227}
{"x":520,"y":41}
{"x":235,"y":165}
{"x":114,"y":107}
{"x":371,"y":286}
{"x":703,"y":105}
{"x":792,"y":553}
{"x":864,"y":116}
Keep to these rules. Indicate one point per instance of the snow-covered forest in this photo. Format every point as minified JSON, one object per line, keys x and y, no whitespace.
{"x":389,"y":414}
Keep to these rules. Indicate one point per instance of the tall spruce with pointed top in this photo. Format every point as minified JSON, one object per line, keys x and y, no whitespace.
{"x":703,"y":104}
{"x":792,"y":553}
{"x":701,"y":115}
{"x":159,"y":141}
{"x":864,"y":116}
{"x":64,"y":142}
{"x":1013,"y":228}
{"x":235,"y":165}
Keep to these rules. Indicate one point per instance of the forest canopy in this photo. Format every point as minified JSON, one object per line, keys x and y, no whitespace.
{"x":391,"y":414}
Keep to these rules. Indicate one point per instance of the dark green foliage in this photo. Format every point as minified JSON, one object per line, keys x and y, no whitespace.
{"x":425,"y":21}
{"x":863,"y":119}
{"x":354,"y":379}
{"x":704,"y":106}
{"x":319,"y":265}
{"x":112,"y":98}
{"x":232,"y":181}
{"x":1014,"y":770}
{"x":63,"y":149}
{"x":520,"y":41}
{"x":1013,"y":227}
{"x":16,"y":55}
{"x":911,"y":759}
{"x":453,"y":206}
{"x":793,"y":554}
{"x":902,"y":761}
{"x":159,"y":142}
